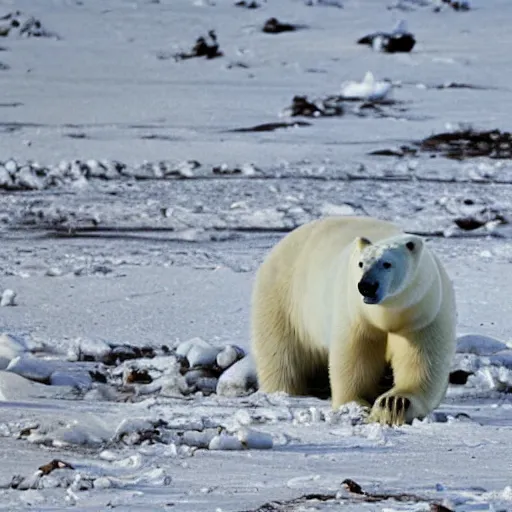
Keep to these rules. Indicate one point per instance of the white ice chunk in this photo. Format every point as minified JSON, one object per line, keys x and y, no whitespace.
{"x":32,"y":368}
{"x":10,"y":347}
{"x":369,"y":89}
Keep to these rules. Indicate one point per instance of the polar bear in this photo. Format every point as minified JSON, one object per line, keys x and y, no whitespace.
{"x":344,"y":301}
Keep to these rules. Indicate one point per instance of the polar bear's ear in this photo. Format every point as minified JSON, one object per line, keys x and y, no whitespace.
{"x":363,"y":242}
{"x":414,"y":244}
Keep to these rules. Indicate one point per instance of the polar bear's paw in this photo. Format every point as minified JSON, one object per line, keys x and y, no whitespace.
{"x":391,"y":409}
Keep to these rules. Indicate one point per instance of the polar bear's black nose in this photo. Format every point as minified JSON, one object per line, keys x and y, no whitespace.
{"x":368,"y":288}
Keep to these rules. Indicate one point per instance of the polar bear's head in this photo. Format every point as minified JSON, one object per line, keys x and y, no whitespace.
{"x":387,"y":267}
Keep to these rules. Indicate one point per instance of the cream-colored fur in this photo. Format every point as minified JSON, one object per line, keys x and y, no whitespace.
{"x":309,"y":319}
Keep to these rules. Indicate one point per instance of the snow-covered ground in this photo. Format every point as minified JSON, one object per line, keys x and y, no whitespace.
{"x":135,"y":206}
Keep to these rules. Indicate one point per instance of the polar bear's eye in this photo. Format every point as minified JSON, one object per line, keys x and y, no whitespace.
{"x":360,"y":264}
{"x":386,"y":264}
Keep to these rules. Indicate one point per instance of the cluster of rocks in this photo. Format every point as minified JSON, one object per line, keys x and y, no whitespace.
{"x":23,"y":25}
{"x":198,"y":368}
{"x":469,"y":143}
{"x":182,"y":439}
{"x":194,"y":366}
{"x":31,"y":175}
{"x":34,"y":176}
{"x":17,"y":358}
{"x":60,"y":474}
{"x":339,"y":105}
{"x":435,"y":5}
{"x":248,"y":4}
{"x":459,"y":144}
{"x":456,"y":5}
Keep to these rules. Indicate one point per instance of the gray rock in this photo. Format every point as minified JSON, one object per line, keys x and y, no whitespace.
{"x":238,"y":379}
{"x":229,"y":355}
{"x":11,"y":166}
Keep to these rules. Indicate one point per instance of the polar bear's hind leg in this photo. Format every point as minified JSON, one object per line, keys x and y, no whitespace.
{"x":283,"y":362}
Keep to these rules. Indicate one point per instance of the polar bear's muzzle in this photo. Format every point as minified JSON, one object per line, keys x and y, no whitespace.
{"x":369,"y":288}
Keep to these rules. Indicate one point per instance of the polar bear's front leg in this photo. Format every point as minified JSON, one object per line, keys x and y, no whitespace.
{"x":421,"y":364}
{"x":357,"y":361}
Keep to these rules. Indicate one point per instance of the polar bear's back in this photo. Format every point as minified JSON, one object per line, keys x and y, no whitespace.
{"x":317,"y":242}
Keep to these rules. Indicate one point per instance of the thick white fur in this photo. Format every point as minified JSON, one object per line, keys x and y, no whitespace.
{"x":308,"y":318}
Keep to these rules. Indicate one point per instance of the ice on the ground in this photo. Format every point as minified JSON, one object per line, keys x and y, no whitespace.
{"x":480,"y":345}
{"x":15,"y":387}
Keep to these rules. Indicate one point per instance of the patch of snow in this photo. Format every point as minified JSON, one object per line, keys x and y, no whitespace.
{"x":480,"y":345}
{"x":327,"y":209}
